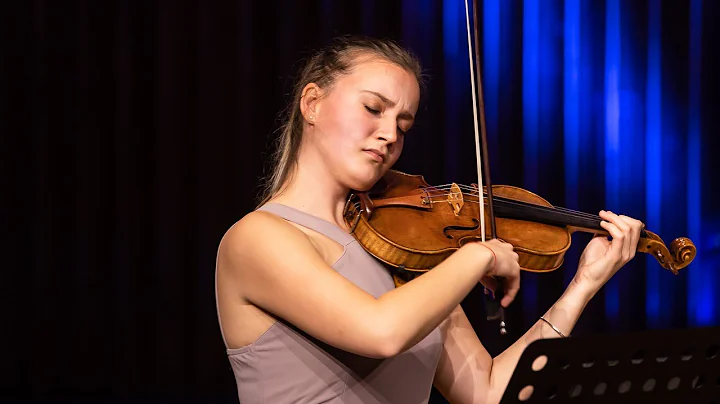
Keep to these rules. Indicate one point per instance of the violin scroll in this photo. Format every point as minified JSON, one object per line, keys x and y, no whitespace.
{"x":683,"y":250}
{"x":681,"y":253}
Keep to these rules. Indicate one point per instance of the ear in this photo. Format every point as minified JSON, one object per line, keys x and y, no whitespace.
{"x":309,"y":102}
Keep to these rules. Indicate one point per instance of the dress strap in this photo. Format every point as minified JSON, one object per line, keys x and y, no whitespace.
{"x":309,"y":221}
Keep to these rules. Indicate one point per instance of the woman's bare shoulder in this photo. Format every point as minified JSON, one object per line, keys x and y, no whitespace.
{"x":255,"y":221}
{"x":258,"y":228}
{"x":253,"y":243}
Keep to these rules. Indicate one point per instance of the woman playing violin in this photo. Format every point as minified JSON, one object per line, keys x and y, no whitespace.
{"x":308,"y":316}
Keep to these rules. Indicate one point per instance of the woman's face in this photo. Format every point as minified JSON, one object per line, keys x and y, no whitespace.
{"x":359,"y":126}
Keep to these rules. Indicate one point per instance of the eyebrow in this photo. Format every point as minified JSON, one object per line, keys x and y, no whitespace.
{"x":403,"y":114}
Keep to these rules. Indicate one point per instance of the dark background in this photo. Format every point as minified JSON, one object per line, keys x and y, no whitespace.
{"x":134,"y":133}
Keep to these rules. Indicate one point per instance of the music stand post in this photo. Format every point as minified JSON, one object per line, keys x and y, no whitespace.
{"x":661,"y":366}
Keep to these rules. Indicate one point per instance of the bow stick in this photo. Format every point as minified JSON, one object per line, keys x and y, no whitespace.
{"x":494,"y":309}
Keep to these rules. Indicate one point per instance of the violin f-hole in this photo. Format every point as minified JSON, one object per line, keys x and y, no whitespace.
{"x":448,"y":229}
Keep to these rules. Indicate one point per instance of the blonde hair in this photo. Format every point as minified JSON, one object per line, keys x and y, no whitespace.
{"x":323,"y":68}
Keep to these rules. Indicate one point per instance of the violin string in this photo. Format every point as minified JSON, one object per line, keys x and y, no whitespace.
{"x":473,"y":191}
{"x":510,"y":202}
{"x":557,"y":208}
{"x":542,"y":208}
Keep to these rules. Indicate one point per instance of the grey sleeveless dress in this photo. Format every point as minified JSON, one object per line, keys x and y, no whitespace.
{"x":285,"y":365}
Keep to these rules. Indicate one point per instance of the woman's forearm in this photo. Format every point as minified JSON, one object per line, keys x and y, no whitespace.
{"x":419,"y":306}
{"x":564,"y":314}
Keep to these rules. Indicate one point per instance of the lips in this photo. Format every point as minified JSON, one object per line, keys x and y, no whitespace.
{"x":377,"y":155}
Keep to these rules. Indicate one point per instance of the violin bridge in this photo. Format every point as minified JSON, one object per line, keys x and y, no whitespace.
{"x":455,"y":198}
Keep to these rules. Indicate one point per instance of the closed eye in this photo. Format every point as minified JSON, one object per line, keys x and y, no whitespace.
{"x":376,"y":112}
{"x":372,"y":111}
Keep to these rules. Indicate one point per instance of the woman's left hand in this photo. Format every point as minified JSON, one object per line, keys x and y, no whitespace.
{"x":602,"y":258}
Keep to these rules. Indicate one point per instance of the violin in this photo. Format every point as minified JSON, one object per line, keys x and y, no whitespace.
{"x":413,"y":226}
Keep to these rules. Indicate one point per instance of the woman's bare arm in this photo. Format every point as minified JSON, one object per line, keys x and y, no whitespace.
{"x":280,"y":271}
{"x":468,"y":374}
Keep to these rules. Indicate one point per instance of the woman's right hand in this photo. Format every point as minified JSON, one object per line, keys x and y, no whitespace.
{"x":505,"y":265}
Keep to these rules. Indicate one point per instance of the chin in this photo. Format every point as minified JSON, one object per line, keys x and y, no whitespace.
{"x":361,"y":186}
{"x":362,"y":181}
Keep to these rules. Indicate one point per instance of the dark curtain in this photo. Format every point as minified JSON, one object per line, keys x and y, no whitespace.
{"x":134,"y":133}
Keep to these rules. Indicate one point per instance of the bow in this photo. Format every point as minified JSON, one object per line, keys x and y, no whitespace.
{"x":494,"y":309}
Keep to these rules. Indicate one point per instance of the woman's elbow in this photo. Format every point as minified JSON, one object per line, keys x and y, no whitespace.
{"x":388,"y":340}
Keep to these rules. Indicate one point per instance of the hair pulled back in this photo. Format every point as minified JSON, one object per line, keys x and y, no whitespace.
{"x":324,"y":68}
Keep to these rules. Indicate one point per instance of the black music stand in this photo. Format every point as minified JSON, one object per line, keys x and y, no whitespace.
{"x":663,"y":366}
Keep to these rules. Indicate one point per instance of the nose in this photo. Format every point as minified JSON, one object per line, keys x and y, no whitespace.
{"x":388,"y":131}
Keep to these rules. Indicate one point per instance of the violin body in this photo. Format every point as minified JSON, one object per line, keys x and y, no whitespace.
{"x":412,"y":226}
